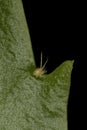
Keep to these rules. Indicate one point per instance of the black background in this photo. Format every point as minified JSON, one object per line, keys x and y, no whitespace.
{"x":57,"y":29}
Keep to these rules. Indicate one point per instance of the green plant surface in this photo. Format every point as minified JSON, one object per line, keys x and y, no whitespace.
{"x":27,"y":102}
